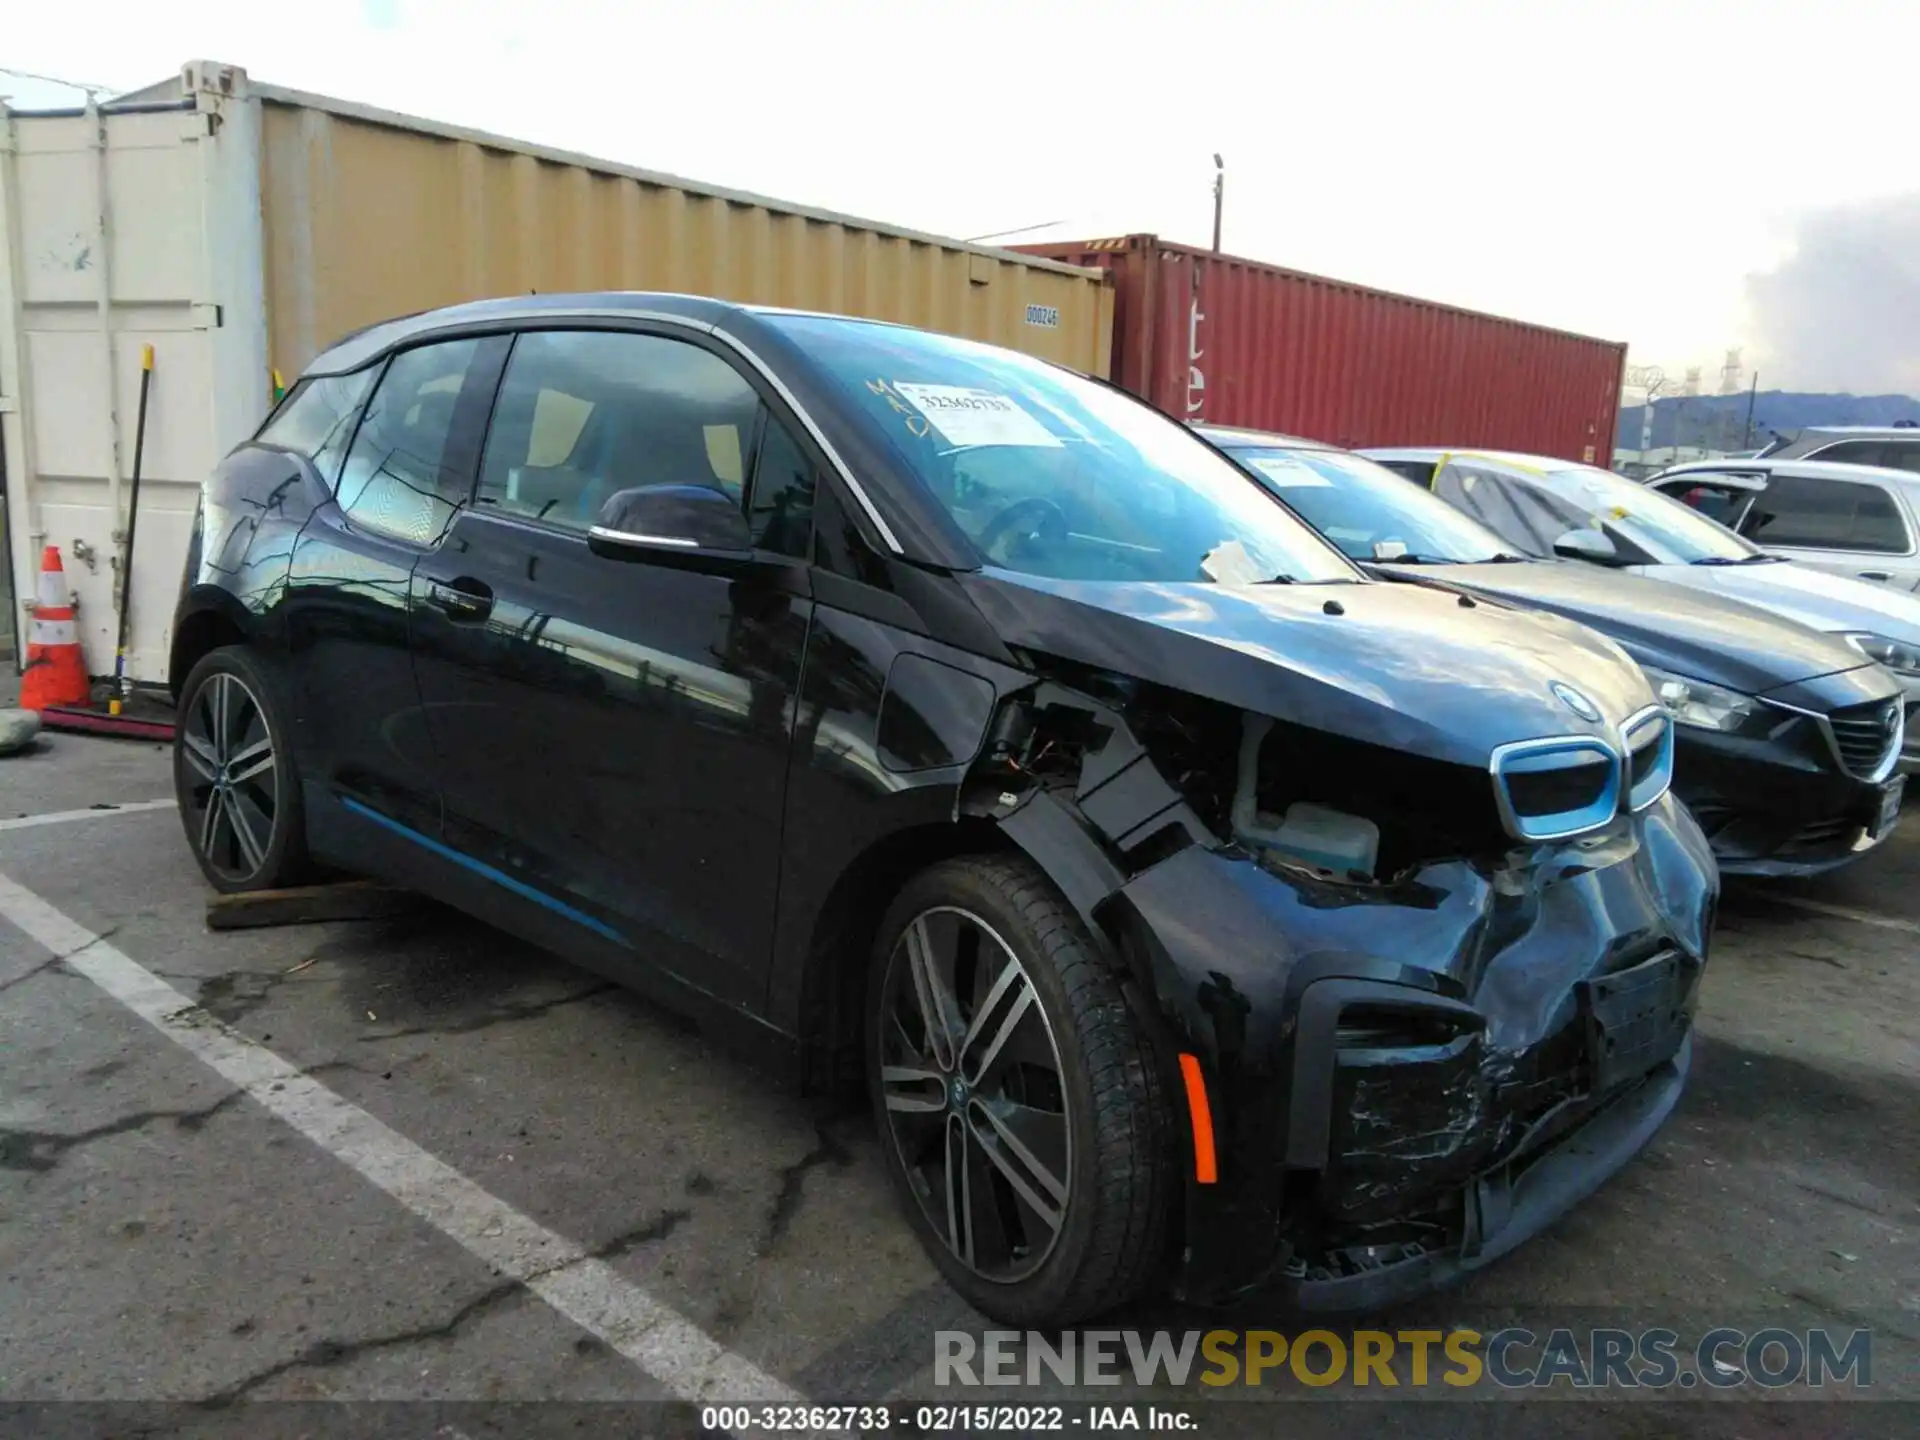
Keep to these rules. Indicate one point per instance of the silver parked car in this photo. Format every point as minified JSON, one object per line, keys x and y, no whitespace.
{"x":1860,"y":521}
{"x":1544,"y":506}
{"x":1897,"y":447}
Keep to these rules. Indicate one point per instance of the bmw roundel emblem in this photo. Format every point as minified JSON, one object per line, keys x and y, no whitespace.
{"x":1575,"y":701}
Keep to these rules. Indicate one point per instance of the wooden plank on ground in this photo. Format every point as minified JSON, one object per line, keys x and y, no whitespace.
{"x":308,"y":905}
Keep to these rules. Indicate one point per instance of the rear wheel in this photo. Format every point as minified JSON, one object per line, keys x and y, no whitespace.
{"x":1024,"y":1121}
{"x":239,"y":796}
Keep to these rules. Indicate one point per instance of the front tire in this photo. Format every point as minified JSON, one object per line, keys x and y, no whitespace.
{"x":1023,"y":1117}
{"x":233,"y":776}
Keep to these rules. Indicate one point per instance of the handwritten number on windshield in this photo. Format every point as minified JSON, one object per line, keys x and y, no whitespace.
{"x":917,"y":424}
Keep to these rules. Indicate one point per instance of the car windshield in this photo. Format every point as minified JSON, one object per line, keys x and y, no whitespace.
{"x":1668,"y":531}
{"x":1051,"y":474}
{"x":1370,"y":512}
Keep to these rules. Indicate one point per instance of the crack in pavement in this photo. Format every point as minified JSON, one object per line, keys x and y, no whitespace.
{"x":1823,"y":959}
{"x":504,"y":1016}
{"x":1837,"y":1198}
{"x":828,"y":1150}
{"x":372,"y":1072}
{"x":658,"y":1228}
{"x":1853,"y":1317}
{"x":35,"y":1152}
{"x":53,"y":961}
{"x":30,"y":972}
{"x":324,"y":1354}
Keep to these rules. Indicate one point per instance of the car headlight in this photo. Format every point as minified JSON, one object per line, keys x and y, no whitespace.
{"x":1696,"y":703}
{"x":1890,"y":653}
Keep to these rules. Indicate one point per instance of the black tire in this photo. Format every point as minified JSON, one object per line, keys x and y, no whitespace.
{"x":257,"y":837}
{"x":1026,"y":1255}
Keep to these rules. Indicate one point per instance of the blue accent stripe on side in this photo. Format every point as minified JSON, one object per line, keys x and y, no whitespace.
{"x":505,"y":881}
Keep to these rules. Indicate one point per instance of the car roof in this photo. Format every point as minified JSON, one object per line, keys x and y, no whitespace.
{"x":352,"y":351}
{"x":1819,"y":469}
{"x":1227,"y":437}
{"x":1882,"y":432}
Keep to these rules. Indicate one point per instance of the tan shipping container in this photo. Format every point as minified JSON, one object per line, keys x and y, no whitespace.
{"x":239,"y":229}
{"x":369,"y":214}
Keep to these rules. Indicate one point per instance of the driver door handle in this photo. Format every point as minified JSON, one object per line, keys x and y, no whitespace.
{"x":463,"y":599}
{"x":1875,"y":575}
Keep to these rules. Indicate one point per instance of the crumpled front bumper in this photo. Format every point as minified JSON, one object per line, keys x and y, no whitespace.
{"x":1408,"y":1081}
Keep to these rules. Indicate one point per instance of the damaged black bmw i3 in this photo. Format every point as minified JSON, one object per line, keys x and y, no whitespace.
{"x":1200,"y":915}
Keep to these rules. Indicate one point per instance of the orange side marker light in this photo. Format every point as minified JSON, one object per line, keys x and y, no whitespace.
{"x":1204,"y":1169}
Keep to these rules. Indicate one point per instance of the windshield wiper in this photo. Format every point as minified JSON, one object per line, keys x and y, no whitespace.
{"x":1718,"y":560}
{"x":1413,"y":560}
{"x":1277,"y":580}
{"x":1507,"y":557}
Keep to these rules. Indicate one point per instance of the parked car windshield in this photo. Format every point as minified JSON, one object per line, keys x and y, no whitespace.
{"x":1642,"y":521}
{"x":1370,"y":512}
{"x":1050,"y":474}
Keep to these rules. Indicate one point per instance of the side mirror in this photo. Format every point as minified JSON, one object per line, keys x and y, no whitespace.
{"x":662,"y":521}
{"x":1586,"y":545}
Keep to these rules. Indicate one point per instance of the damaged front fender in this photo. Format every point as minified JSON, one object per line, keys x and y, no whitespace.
{"x":1406,"y":1075}
{"x":1383,"y":1059}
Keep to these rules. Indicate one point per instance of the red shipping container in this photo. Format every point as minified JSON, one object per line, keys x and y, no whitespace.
{"x":1236,"y":342}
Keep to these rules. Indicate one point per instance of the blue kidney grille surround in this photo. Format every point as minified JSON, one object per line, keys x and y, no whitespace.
{"x":1565,"y":785}
{"x":1649,"y":740}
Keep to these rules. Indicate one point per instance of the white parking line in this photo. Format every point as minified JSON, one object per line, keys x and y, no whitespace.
{"x":589,"y":1292}
{"x":92,"y":812}
{"x":1847,"y":912}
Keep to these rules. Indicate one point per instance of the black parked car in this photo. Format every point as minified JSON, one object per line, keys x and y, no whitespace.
{"x":1788,"y":737}
{"x":1199,"y":912}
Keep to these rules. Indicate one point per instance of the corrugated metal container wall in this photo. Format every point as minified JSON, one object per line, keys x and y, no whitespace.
{"x":1235,"y":342}
{"x":369,"y":215}
{"x":112,"y":239}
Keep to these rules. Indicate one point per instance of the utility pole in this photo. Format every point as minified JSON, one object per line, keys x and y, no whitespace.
{"x":1219,"y":196}
{"x":1746,"y":442}
{"x":1651,"y":379}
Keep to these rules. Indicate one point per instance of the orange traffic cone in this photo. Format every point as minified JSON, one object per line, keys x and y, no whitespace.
{"x":55,"y":673}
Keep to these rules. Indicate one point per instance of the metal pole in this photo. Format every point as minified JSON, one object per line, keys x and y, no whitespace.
{"x":1219,"y":197}
{"x":1746,"y":442}
{"x":102,"y":267}
{"x":121,"y":688}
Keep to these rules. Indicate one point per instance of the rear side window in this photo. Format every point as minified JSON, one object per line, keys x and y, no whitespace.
{"x":1893,"y":454}
{"x":1420,"y":472}
{"x":317,"y":419}
{"x":1723,"y":503}
{"x":402,"y":478}
{"x":1817,"y":514}
{"x":1853,"y":452}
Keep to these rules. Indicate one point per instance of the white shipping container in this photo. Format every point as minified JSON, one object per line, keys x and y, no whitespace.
{"x":121,"y":229}
{"x":239,"y":228}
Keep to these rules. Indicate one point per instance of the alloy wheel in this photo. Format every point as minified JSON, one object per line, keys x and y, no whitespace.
{"x":975,"y":1099}
{"x":233,"y":791}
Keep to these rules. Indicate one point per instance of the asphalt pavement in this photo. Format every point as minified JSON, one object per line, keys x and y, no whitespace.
{"x":415,"y":1161}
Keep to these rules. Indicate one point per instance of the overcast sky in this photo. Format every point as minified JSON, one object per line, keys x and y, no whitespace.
{"x":1686,"y":176}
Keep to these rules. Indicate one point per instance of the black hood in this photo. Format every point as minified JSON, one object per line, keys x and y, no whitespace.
{"x":1401,"y":665}
{"x":1675,"y":627}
